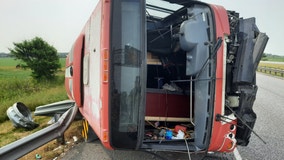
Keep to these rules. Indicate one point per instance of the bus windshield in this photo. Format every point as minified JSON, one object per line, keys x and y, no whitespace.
{"x":127,"y":54}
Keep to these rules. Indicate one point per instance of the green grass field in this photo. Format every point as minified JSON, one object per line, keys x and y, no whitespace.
{"x":17,"y":85}
{"x":273,"y":58}
{"x":8,"y":62}
{"x":11,"y":62}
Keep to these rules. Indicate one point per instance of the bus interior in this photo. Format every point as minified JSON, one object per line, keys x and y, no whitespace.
{"x":180,"y":75}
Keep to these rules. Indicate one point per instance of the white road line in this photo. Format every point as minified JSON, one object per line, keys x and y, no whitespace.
{"x":237,"y":154}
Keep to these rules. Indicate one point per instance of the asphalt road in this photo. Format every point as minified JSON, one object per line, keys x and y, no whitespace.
{"x":269,"y":107}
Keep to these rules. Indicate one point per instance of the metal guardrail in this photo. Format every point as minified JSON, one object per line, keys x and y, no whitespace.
{"x":25,"y":145}
{"x":272,"y":71}
{"x":54,"y":108}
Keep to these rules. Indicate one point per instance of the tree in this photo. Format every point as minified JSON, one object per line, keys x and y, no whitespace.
{"x":39,"y":56}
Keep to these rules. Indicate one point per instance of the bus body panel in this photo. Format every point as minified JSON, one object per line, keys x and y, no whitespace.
{"x":104,"y":81}
{"x":220,"y":131}
{"x":91,"y":71}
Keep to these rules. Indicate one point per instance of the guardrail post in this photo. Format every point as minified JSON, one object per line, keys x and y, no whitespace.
{"x":271,"y":71}
{"x":60,"y":139}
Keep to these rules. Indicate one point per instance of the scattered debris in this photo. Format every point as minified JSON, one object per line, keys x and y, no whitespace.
{"x":59,"y":147}
{"x":37,"y":156}
{"x":21,"y":116}
{"x":51,"y":121}
{"x":170,"y":132}
{"x":75,"y":139}
{"x":180,"y":135}
{"x":171,"y":87}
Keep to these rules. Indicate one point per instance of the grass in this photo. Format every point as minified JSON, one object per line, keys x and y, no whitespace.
{"x":13,"y":73}
{"x":271,"y":65}
{"x":31,"y":93}
{"x":9,"y":62}
{"x":16,"y":85}
{"x":10,"y":134}
{"x":273,"y":58}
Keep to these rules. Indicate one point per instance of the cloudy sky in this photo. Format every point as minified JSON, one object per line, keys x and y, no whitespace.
{"x":60,"y":21}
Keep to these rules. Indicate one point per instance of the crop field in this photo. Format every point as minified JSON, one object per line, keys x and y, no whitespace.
{"x":8,"y":69}
{"x":272,"y":65}
{"x":274,"y":58}
{"x":9,"y":62}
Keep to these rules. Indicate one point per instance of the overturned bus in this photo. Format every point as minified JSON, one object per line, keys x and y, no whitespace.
{"x":165,"y":75}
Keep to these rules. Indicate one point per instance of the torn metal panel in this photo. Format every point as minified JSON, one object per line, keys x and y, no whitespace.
{"x":21,"y":116}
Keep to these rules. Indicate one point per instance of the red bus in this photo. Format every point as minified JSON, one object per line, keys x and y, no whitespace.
{"x":166,"y":75}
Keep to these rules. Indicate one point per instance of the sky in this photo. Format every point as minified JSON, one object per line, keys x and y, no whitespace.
{"x":59,"y":22}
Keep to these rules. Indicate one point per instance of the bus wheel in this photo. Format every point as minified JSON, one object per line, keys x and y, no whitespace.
{"x":87,"y":132}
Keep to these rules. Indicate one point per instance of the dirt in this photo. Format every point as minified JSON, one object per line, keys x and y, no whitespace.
{"x":55,"y":150}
